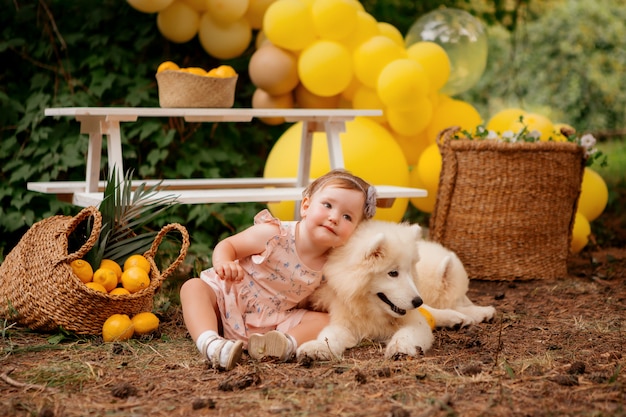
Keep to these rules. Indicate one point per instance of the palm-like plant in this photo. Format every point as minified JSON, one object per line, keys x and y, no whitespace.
{"x":125,"y":215}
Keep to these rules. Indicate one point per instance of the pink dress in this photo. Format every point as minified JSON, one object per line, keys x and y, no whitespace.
{"x":275,"y":282}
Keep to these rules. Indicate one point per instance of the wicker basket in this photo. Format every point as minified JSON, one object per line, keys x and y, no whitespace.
{"x":183,"y":89}
{"x":39,"y":290}
{"x":507,"y":209}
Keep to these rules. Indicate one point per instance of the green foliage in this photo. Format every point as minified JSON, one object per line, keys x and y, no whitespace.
{"x":567,"y":67}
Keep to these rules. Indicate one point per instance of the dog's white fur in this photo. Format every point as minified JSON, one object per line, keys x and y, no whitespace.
{"x":376,"y":281}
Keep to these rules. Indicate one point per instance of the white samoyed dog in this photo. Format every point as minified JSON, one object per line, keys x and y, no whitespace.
{"x":375,"y":284}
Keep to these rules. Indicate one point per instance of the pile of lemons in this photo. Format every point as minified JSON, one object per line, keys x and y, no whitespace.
{"x":223,"y":71}
{"x":121,"y":280}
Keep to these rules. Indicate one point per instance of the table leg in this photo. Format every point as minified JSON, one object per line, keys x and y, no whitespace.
{"x":335,"y":153}
{"x":91,"y":125}
{"x":114,"y":149}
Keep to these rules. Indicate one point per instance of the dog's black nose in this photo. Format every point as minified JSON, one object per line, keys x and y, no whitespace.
{"x":417,"y":301}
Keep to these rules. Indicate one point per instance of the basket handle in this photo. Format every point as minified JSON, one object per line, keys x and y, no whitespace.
{"x":446,"y":134}
{"x":150,"y":253}
{"x":90,"y":211}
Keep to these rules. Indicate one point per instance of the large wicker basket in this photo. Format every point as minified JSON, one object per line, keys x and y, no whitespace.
{"x":184,"y":89}
{"x":39,"y":290}
{"x":507,"y":209}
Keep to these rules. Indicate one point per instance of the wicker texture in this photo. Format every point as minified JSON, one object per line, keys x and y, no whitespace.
{"x":39,"y":290}
{"x":183,"y":89}
{"x":507,"y":209}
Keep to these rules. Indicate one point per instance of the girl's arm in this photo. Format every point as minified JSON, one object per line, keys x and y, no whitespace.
{"x":250,"y":241}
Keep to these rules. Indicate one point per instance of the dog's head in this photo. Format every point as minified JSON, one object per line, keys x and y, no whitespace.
{"x":377,"y":266}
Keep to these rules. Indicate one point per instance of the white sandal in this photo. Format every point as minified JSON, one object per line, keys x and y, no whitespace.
{"x":271,"y":344}
{"x":233,"y":357}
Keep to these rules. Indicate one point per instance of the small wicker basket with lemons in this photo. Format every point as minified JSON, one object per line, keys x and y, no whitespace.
{"x":193,"y":87}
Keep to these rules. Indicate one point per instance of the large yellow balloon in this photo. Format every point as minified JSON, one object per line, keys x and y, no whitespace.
{"x":401,"y":83}
{"x":227,"y":11}
{"x":224,"y":41}
{"x":450,"y":113}
{"x":372,"y":56}
{"x":580,"y":233}
{"x":424,"y":204}
{"x":504,"y":119}
{"x":289,"y":24}
{"x":594,"y":195}
{"x":325,"y":68}
{"x":413,"y":120}
{"x":273,"y":69}
{"x":334,"y":19}
{"x":369,"y":150}
{"x":535,"y":122}
{"x":434,"y":59}
{"x":149,"y":6}
{"x":429,"y":167}
{"x":178,"y":22}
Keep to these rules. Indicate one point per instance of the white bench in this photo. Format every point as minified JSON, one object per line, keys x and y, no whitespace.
{"x":105,"y":121}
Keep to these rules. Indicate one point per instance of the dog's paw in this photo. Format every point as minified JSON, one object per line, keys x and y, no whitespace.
{"x":397,"y":351}
{"x":452,"y":318}
{"x":315,"y":350}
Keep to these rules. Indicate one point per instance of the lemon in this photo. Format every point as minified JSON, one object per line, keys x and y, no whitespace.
{"x":96,"y":287}
{"x":137,"y":260}
{"x":112,"y":265}
{"x":145,"y":323}
{"x":106,"y":277}
{"x":135,"y":279}
{"x":119,"y":291}
{"x":82,"y":270}
{"x":117,"y":327}
{"x":223,"y":71}
{"x":195,"y":70}
{"x":167,"y":65}
{"x":429,"y":317}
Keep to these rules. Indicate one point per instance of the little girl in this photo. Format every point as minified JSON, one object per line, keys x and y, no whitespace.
{"x":259,"y":275}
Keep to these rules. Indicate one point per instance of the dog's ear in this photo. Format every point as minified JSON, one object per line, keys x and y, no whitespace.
{"x":376,"y":247}
{"x":443,"y":268}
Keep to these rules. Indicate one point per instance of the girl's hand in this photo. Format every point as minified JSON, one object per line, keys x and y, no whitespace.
{"x":229,"y":271}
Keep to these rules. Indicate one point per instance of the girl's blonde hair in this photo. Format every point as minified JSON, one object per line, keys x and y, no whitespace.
{"x":344,"y":179}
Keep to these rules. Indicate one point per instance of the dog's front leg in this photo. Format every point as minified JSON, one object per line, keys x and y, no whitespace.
{"x":412,"y":339}
{"x":447,"y":317}
{"x":332,"y":341}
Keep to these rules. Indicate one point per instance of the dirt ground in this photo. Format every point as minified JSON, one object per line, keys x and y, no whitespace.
{"x":555,"y":348}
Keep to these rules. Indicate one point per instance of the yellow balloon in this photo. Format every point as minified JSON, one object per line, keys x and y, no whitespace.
{"x":429,"y":167}
{"x":325,"y":68}
{"x":198,"y":5}
{"x":273,"y":69}
{"x":289,"y":24}
{"x":424,"y":204}
{"x":390,"y":31}
{"x":410,"y":121}
{"x":594,"y":195}
{"x":434,"y":59}
{"x":558,"y":136}
{"x":401,"y":83}
{"x":149,"y":6}
{"x":224,"y":41}
{"x":535,"y":122}
{"x":504,"y":119}
{"x":366,"y":27}
{"x":580,"y":233}
{"x":450,"y":113}
{"x":334,"y":19}
{"x":227,"y":11}
{"x":307,"y":100}
{"x":372,"y":56}
{"x":365,"y":98}
{"x":412,"y":146}
{"x":369,"y":150}
{"x":178,"y":22}
{"x":256,"y":11}
{"x":348,"y":93}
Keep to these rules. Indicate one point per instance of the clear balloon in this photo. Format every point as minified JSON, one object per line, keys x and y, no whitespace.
{"x":289,"y":24}
{"x":178,"y":22}
{"x":325,"y":68}
{"x":464,"y":39}
{"x":224,"y":41}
